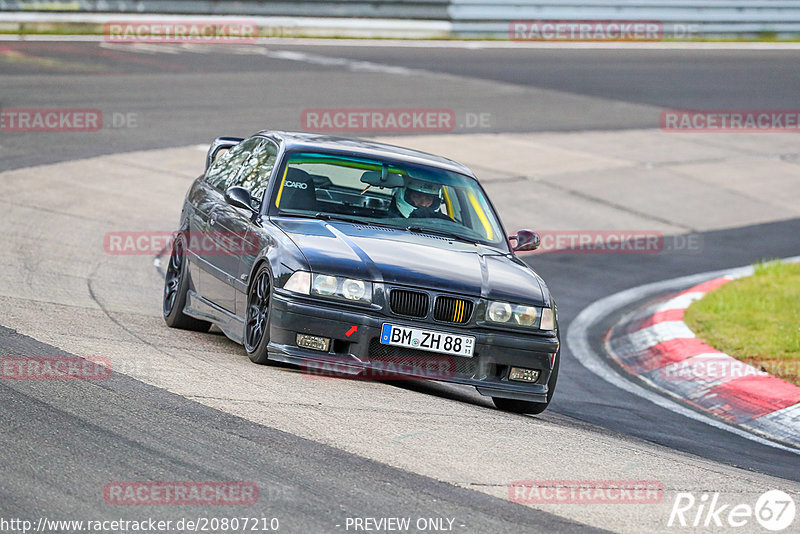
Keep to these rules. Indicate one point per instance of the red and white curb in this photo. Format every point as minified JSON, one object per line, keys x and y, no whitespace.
{"x":655,"y":345}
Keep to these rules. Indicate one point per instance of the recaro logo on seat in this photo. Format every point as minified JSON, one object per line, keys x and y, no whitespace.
{"x":296,"y":185}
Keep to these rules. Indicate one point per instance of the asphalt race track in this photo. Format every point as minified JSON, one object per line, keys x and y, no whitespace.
{"x":185,"y":406}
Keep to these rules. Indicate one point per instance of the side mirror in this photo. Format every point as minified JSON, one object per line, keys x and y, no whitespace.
{"x":526,"y":240}
{"x":220,"y":143}
{"x":239,"y":197}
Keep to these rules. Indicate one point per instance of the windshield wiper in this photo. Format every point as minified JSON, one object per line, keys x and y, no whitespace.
{"x":333,"y":217}
{"x":443,"y":233}
{"x":336,"y":217}
{"x":344,"y":218}
{"x":321,"y":216}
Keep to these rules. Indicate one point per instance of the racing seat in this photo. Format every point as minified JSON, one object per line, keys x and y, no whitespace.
{"x":299,"y":192}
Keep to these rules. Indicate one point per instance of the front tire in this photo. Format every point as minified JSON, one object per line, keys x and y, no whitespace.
{"x":527,"y":407}
{"x":256,"y":326}
{"x":176,"y":285}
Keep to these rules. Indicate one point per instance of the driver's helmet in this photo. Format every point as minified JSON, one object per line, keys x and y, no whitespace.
{"x":405,"y":203}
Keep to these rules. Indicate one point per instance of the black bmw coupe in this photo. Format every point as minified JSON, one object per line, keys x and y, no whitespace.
{"x":345,"y":254}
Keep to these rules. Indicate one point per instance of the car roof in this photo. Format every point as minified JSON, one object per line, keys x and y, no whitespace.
{"x":364,"y":147}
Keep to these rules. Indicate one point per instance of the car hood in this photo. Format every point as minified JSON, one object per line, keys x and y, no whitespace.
{"x":399,"y":257}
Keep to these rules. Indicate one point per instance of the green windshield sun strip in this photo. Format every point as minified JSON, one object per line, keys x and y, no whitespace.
{"x":342,"y":162}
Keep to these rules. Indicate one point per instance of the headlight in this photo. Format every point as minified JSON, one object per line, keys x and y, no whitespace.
{"x":524,"y":315}
{"x":548,"y":319}
{"x":299,"y":282}
{"x":519,"y":315}
{"x":353,"y":289}
{"x":348,"y":289}
{"x":499,"y":312}
{"x":324,"y":285}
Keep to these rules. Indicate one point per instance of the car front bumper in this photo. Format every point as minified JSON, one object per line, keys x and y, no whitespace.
{"x":354,"y":351}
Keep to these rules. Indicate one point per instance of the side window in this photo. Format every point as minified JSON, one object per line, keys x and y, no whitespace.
{"x":225,"y":169}
{"x":256,"y":170}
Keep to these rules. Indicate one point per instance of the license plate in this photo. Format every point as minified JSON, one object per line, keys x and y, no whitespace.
{"x":417,"y":338}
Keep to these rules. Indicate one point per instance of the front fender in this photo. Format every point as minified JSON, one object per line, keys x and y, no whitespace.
{"x":279,"y":251}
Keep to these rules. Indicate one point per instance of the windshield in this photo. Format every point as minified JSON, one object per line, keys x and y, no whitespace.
{"x":402,"y":195}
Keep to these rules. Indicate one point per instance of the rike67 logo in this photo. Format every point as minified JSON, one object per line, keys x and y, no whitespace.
{"x":774,"y":511}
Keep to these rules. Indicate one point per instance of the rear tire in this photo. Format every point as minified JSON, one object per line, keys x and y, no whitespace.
{"x":176,"y":285}
{"x":256,"y":326}
{"x":527,"y":407}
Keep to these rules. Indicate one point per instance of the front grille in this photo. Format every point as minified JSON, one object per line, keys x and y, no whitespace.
{"x":404,"y":358}
{"x":452,"y":310}
{"x":410,"y":303}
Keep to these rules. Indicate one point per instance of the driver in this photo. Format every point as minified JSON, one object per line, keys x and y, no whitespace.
{"x":418,"y":198}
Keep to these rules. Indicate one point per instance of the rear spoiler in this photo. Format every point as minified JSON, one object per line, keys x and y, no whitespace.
{"x":220,"y":143}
